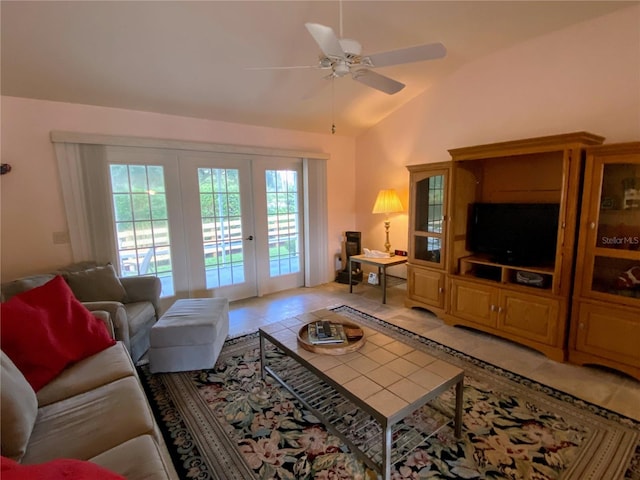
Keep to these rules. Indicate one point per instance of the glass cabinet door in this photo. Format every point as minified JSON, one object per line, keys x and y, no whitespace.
{"x":429,"y":217}
{"x":615,"y":220}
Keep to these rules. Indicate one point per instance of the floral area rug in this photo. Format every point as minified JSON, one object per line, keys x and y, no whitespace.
{"x":227,"y":423}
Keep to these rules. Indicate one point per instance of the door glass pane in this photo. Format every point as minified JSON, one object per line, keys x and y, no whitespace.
{"x":619,"y":217}
{"x":140,"y":210}
{"x":430,"y":204}
{"x":283,"y":220}
{"x":221,"y":223}
{"x":427,"y":249}
{"x":616,"y":276}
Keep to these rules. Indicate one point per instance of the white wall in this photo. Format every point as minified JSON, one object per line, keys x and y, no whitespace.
{"x":31,"y":208}
{"x":586,"y":77}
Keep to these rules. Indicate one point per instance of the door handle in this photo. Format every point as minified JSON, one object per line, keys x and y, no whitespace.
{"x":250,"y":237}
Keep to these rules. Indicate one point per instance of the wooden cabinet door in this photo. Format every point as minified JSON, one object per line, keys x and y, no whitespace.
{"x":609,"y":332}
{"x":474,"y":302}
{"x":530,"y":316}
{"x":428,"y":217}
{"x":610,"y":233}
{"x":426,"y":286}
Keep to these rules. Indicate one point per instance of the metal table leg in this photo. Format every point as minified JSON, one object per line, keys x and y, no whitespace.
{"x":262,"y":358}
{"x":458,"y":417}
{"x":350,"y":283}
{"x":382,"y":272}
{"x":386,"y":452}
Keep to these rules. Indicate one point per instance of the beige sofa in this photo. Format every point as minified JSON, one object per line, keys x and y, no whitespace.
{"x":132,"y":302}
{"x":96,"y":410}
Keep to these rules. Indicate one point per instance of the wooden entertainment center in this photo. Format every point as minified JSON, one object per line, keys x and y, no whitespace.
{"x":525,"y":302}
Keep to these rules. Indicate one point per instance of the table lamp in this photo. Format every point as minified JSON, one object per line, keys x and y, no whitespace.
{"x":387,"y":202}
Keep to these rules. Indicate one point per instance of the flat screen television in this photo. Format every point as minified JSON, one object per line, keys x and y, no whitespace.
{"x":514,"y":233}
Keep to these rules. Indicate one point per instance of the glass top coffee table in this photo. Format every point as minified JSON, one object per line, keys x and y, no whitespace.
{"x":362,"y":396}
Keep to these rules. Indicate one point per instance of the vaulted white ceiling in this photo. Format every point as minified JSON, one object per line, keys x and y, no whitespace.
{"x":190,"y":58}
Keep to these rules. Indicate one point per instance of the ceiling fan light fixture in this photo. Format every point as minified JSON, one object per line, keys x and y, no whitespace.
{"x":341,"y":68}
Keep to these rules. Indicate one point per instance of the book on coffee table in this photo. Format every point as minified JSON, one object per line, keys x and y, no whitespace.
{"x":325,"y":332}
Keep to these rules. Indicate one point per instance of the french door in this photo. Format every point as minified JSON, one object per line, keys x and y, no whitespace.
{"x":216,"y":197}
{"x":279,"y":223}
{"x":207,"y":224}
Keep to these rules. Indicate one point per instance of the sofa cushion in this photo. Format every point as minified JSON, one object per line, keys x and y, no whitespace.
{"x":60,"y":469}
{"x":93,"y":422}
{"x":13,"y":288}
{"x":96,"y":284}
{"x":125,"y":459}
{"x":104,"y":367}
{"x":18,"y":410}
{"x":46,"y":328}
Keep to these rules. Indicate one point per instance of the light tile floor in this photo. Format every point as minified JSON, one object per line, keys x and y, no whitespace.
{"x":612,"y":390}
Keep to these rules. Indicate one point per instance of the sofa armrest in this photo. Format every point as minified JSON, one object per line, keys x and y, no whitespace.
{"x":144,"y":288}
{"x":118,"y":317}
{"x":105,"y":318}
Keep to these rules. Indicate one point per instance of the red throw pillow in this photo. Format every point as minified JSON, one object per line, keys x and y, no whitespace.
{"x":46,"y":328}
{"x":60,"y":469}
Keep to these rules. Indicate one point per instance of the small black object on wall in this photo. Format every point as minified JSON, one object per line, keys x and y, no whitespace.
{"x":4,"y":168}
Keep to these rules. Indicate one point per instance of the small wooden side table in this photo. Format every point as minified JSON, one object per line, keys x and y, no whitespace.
{"x":382,"y":264}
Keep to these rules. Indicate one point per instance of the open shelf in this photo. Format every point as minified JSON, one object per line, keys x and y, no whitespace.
{"x":481,"y":267}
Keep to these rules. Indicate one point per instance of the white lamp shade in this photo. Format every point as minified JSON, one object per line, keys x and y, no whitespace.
{"x":387,"y":201}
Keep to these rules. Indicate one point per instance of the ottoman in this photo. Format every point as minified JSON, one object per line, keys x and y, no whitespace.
{"x":189,"y":336}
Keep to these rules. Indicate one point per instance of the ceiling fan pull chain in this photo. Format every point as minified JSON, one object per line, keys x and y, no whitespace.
{"x":333,"y":106}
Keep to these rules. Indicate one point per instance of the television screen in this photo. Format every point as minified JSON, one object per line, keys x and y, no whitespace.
{"x":514,"y":233}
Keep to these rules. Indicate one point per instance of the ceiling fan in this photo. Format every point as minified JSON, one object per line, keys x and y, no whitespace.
{"x":344,"y":56}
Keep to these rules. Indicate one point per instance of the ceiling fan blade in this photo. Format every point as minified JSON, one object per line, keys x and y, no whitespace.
{"x":377,"y":81}
{"x":326,"y":39}
{"x":430,"y":51}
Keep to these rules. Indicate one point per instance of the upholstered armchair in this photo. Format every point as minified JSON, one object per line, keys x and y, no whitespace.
{"x":132,"y":302}
{"x":133,"y":314}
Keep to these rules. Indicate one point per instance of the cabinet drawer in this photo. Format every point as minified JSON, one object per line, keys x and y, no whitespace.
{"x":530,"y":316}
{"x":609,"y":332}
{"x":426,"y":286}
{"x":474,"y":302}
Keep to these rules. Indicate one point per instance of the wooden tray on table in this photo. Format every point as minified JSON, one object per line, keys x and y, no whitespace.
{"x":355,"y":340}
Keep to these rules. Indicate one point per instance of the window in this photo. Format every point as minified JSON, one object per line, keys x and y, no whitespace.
{"x":141,"y":221}
{"x":220,"y":213}
{"x":283,"y":221}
